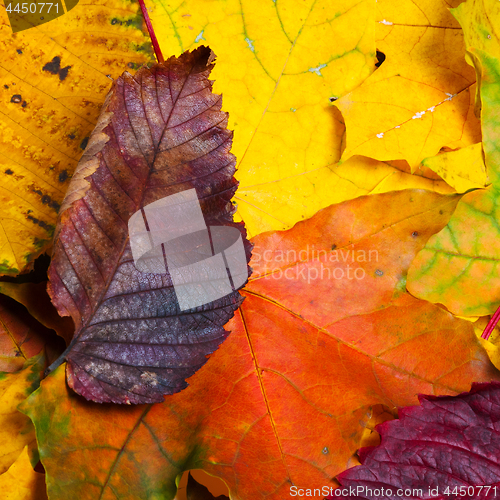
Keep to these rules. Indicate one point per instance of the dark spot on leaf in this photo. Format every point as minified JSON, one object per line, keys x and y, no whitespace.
{"x":9,"y":171}
{"x":63,"y":176}
{"x":414,"y":234}
{"x":38,"y":242}
{"x":135,"y":21}
{"x":334,"y":246}
{"x":378,"y":272}
{"x":24,"y":104}
{"x":133,"y":65}
{"x":71,"y":136}
{"x":440,"y":212}
{"x":84,"y":143}
{"x":54,"y":67}
{"x":380,"y":59}
{"x":5,"y":86}
{"x":47,"y":200}
{"x":333,"y":99}
{"x":19,"y":51}
{"x":64,"y":73}
{"x":17,"y":98}
{"x":48,"y":227}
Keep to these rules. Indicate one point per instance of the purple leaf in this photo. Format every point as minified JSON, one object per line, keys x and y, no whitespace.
{"x":449,"y":447}
{"x":160,"y":133}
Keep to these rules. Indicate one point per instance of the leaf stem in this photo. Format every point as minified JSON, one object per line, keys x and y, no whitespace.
{"x":152,"y":35}
{"x":491,"y":324}
{"x":61,"y":359}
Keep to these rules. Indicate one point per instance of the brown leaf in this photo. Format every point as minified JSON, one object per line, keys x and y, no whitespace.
{"x":161,"y":132}
{"x":35,"y":298}
{"x":24,"y":331}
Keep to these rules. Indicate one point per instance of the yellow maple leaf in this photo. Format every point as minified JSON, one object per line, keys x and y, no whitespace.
{"x":279,"y":64}
{"x":279,"y":68}
{"x":422,"y":97}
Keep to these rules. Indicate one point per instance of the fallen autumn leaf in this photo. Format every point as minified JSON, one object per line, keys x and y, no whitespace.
{"x":328,"y":342}
{"x":447,"y":447}
{"x":159,"y":133}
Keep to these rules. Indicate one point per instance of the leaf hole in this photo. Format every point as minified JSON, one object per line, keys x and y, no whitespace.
{"x":380,"y":59}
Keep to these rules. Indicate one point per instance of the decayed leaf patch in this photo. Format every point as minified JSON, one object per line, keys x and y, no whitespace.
{"x":54,"y":80}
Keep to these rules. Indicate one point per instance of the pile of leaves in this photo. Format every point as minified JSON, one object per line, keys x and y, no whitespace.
{"x":368,"y":168}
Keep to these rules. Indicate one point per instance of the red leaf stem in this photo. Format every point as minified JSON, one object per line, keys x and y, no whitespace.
{"x":154,"y":41}
{"x":491,"y":325}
